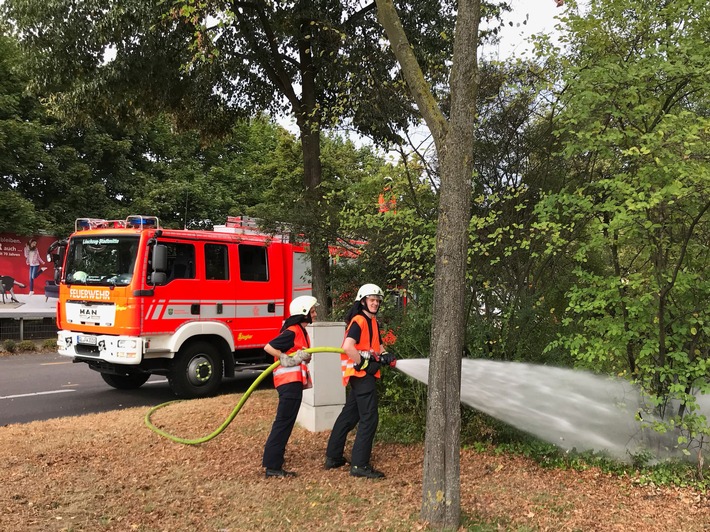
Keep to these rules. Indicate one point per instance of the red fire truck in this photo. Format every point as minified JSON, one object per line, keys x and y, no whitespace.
{"x":136,"y":299}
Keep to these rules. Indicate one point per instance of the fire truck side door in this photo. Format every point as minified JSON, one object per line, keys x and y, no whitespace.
{"x":179,"y":299}
{"x":260,"y":293}
{"x":218,"y":287}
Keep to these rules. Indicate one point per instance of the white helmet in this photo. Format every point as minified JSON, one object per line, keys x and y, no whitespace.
{"x":302,"y":305}
{"x":369,"y":290}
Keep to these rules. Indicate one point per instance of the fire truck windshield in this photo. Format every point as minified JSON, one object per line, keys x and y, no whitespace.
{"x":104,"y":260}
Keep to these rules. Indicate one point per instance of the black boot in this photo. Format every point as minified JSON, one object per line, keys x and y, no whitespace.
{"x":334,"y":463}
{"x":366,"y":472}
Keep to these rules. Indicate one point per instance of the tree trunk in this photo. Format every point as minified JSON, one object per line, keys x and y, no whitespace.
{"x":320,"y":259}
{"x":441,"y":494}
{"x":309,"y":123}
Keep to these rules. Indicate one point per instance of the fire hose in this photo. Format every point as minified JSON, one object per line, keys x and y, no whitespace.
{"x":236,"y":409}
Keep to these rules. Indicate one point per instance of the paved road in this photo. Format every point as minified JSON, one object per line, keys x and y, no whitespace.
{"x":36,"y":387}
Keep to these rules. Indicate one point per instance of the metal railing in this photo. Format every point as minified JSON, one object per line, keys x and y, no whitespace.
{"x":27,"y":328}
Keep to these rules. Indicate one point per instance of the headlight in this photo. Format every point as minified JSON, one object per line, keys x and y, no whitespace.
{"x":127,"y":344}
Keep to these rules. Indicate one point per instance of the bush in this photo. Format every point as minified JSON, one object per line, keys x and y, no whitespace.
{"x":26,"y":345}
{"x":400,"y":428}
{"x":50,"y":344}
{"x":10,"y":346}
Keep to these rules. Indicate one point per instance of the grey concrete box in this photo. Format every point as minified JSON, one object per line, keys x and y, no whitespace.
{"x":322,"y":403}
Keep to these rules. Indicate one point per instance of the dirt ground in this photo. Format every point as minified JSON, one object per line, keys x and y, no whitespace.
{"x":110,"y":472}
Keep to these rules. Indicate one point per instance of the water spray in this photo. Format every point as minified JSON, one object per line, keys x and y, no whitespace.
{"x":236,"y":409}
{"x":572,"y":409}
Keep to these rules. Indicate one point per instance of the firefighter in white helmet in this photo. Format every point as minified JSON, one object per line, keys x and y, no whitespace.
{"x":364,"y":354}
{"x":290,"y":378}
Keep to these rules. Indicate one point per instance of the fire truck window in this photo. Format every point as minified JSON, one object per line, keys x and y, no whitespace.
{"x":181,"y":261}
{"x":216,"y":262}
{"x":252,"y":263}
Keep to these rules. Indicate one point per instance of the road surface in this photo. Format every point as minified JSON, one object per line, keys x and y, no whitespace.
{"x":35,"y":387}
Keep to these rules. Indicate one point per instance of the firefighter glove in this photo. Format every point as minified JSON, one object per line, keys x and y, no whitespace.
{"x":302,"y":356}
{"x":388,"y":359}
{"x":364,"y":362}
{"x":373,"y":367}
{"x":287,"y":361}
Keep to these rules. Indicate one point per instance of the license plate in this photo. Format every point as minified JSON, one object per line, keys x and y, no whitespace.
{"x":86,"y":340}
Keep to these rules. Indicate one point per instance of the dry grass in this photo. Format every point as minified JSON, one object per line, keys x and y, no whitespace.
{"x":109,"y":472}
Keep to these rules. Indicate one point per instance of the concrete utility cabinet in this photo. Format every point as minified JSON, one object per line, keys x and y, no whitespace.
{"x":322,"y":403}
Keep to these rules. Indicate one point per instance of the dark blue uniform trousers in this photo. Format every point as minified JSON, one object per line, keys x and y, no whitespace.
{"x":290,"y":396}
{"x":360,"y":407}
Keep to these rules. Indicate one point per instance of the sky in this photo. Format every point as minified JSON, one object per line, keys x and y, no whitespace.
{"x":540,"y":16}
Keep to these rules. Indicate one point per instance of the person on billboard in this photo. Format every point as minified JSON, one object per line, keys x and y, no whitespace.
{"x":34,"y":261}
{"x":7,"y":286}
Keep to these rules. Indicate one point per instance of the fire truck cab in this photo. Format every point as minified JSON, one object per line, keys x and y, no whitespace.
{"x":136,"y":299}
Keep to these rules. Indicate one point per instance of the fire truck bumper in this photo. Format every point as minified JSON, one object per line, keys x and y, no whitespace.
{"x":115,"y":349}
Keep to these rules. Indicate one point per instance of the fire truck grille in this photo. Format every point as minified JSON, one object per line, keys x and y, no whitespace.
{"x":87,"y":350}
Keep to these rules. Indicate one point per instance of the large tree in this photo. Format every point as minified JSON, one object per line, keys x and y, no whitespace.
{"x":21,"y":143}
{"x":453,"y":137}
{"x":451,"y":121}
{"x":208,"y":62}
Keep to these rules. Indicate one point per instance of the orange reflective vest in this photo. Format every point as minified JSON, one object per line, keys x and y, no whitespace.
{"x":369,"y":341}
{"x":298,"y":373}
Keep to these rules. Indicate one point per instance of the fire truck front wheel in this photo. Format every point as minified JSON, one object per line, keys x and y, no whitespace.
{"x":131,"y":381}
{"x":196,"y":370}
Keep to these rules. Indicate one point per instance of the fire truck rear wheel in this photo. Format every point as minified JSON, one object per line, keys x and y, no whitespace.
{"x":125,"y":382}
{"x":196,"y":371}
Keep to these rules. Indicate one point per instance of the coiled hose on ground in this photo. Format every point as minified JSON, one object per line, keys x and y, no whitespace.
{"x":236,"y":409}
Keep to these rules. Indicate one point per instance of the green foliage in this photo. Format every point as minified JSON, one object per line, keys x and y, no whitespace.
{"x":487,"y":435}
{"x":403,"y":400}
{"x":26,"y":345}
{"x":206,"y":64}
{"x":20,"y":142}
{"x":675,"y":473}
{"x":53,"y":173}
{"x":18,"y":215}
{"x":400,"y":242}
{"x":404,"y":429}
{"x":197,"y":185}
{"x":634,"y":217}
{"x":402,"y":395}
{"x":412,"y":324}
{"x":10,"y":346}
{"x":50,"y":344}
{"x":587,"y":245}
{"x":516,"y":289}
